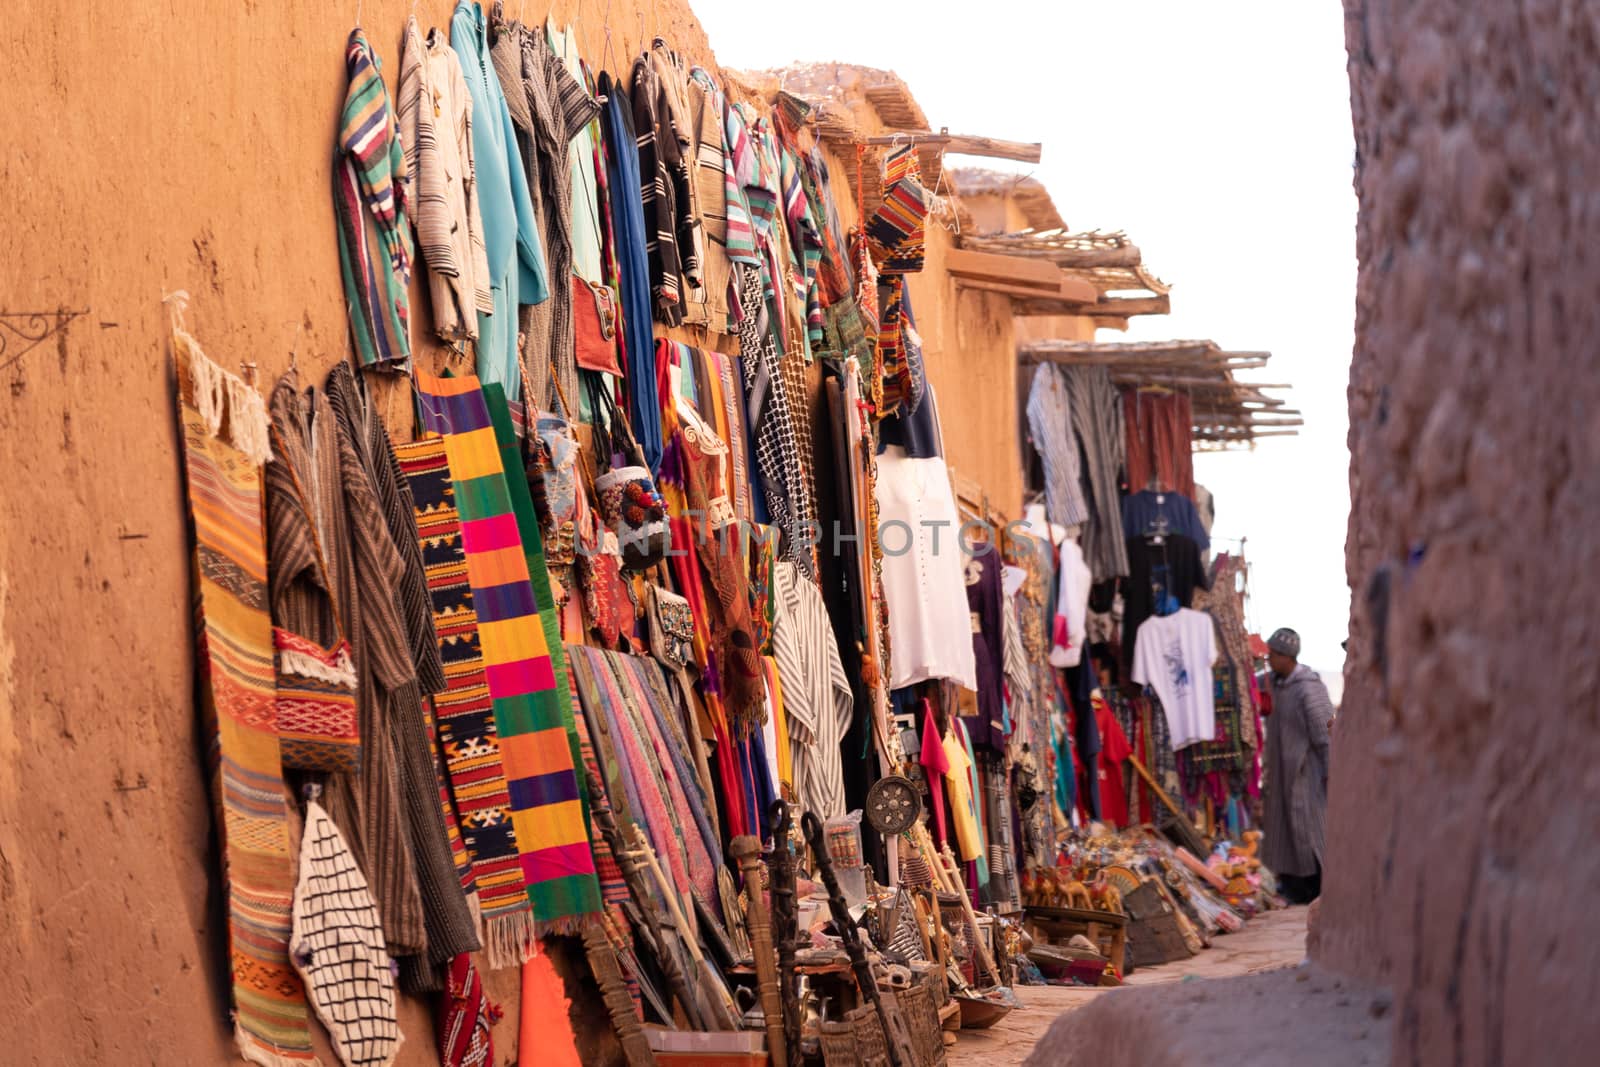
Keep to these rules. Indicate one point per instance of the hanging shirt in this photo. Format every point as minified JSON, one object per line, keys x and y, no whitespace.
{"x":816,"y":693}
{"x":1114,"y":749}
{"x":924,"y":583}
{"x":1144,"y":511}
{"x":1050,"y":427}
{"x":369,"y":169}
{"x":514,"y":251}
{"x":1157,"y":572}
{"x":985,"y":606}
{"x":1069,"y":630}
{"x":963,"y":811}
{"x":1174,"y":657}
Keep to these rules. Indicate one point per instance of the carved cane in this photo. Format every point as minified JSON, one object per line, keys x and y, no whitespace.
{"x":784,"y":922}
{"x":747,"y":851}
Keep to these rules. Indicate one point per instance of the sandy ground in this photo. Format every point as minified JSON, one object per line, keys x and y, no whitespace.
{"x":1275,"y":939}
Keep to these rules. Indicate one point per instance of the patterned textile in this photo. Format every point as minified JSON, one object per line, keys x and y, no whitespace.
{"x":662,"y":791}
{"x":546,"y":803}
{"x":778,"y":457}
{"x":613,"y":887}
{"x":549,"y":617}
{"x":1160,"y":431}
{"x":897,"y":227}
{"x":816,"y":693}
{"x":466,"y":1018}
{"x":1050,"y":427}
{"x":399,"y":790}
{"x":318,"y":726}
{"x":549,"y":108}
{"x":441,"y":183}
{"x":466,"y":712}
{"x":1224,"y":602}
{"x":1097,"y":422}
{"x":338,"y":948}
{"x":661,"y":164}
{"x":707,"y":303}
{"x":1226,"y":752}
{"x":374,"y":238}
{"x":237,"y":700}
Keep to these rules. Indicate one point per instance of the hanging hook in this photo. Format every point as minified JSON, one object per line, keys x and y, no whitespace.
{"x":294,"y":353}
{"x":359,"y":4}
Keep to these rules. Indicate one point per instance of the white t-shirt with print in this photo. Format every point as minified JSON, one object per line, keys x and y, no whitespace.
{"x":1173,"y":655}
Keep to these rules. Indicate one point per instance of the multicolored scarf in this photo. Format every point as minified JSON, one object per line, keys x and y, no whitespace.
{"x":238,"y":701}
{"x":466,"y":722}
{"x":546,"y":803}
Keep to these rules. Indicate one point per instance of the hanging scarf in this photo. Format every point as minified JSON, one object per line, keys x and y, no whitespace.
{"x":546,"y":803}
{"x":238,"y":701}
{"x":466,"y":714}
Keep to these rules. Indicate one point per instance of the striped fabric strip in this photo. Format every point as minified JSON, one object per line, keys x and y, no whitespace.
{"x":816,"y":693}
{"x":1050,"y":426}
{"x":1097,"y":422}
{"x":374,"y":237}
{"x":466,"y":722}
{"x":546,"y":804}
{"x":237,"y":692}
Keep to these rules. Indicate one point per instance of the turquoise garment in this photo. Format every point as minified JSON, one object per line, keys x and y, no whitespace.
{"x":517,"y":271}
{"x":979,"y":815}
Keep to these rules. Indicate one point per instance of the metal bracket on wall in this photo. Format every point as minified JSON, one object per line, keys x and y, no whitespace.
{"x":28,"y":329}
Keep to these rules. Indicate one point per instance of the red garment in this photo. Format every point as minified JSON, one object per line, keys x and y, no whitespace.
{"x":935,"y":764}
{"x":1159,"y":428}
{"x":1114,"y":751}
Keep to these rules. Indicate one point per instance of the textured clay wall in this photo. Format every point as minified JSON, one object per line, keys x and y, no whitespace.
{"x":1461,"y":859}
{"x":147,"y":148}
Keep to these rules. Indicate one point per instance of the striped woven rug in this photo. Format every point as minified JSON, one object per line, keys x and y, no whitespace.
{"x":466,"y":721}
{"x":546,"y":803}
{"x":239,"y":702}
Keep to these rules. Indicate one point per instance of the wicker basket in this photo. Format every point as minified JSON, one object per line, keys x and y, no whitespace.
{"x":855,"y":1041}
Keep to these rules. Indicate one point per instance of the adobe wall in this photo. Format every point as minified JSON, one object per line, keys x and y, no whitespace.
{"x":1461,"y":858}
{"x":146,"y":153}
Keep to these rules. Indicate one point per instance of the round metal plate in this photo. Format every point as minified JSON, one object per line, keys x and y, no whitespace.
{"x":893,"y":804}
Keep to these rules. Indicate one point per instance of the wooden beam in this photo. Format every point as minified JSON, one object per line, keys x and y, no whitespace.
{"x":1013,"y":270}
{"x":966,"y":144}
{"x":1142,"y":305}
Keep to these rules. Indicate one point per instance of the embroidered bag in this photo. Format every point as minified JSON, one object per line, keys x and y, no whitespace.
{"x":318,"y":728}
{"x":594,"y":322}
{"x":318,"y":725}
{"x":671,"y":628}
{"x":626,"y":494}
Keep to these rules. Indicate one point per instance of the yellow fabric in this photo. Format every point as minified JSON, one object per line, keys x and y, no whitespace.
{"x":969,"y":845}
{"x":780,"y":725}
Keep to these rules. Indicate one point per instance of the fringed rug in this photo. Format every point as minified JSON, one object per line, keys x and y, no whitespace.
{"x":546,"y":804}
{"x":224,"y":445}
{"x":466,"y":722}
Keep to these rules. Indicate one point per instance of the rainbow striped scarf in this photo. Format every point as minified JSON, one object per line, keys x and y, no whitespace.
{"x":466,"y":714}
{"x":536,"y":749}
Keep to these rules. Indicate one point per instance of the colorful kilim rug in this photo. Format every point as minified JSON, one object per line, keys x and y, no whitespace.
{"x":466,"y":720}
{"x":539,"y":574}
{"x":238,"y":700}
{"x":546,"y":804}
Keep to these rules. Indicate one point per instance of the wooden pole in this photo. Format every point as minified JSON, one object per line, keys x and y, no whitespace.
{"x":965,"y":144}
{"x":746,"y":851}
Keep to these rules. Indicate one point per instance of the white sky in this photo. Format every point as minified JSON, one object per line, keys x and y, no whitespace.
{"x":1218,"y":136}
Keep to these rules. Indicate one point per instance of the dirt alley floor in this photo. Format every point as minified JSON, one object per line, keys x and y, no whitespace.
{"x":1273,"y":940}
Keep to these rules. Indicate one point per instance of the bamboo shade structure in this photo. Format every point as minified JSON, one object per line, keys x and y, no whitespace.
{"x":1228,"y":412}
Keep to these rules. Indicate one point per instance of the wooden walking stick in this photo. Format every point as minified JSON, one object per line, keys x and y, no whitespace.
{"x":785,"y":920}
{"x":896,"y":1038}
{"x":654,"y":927}
{"x":747,"y":851}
